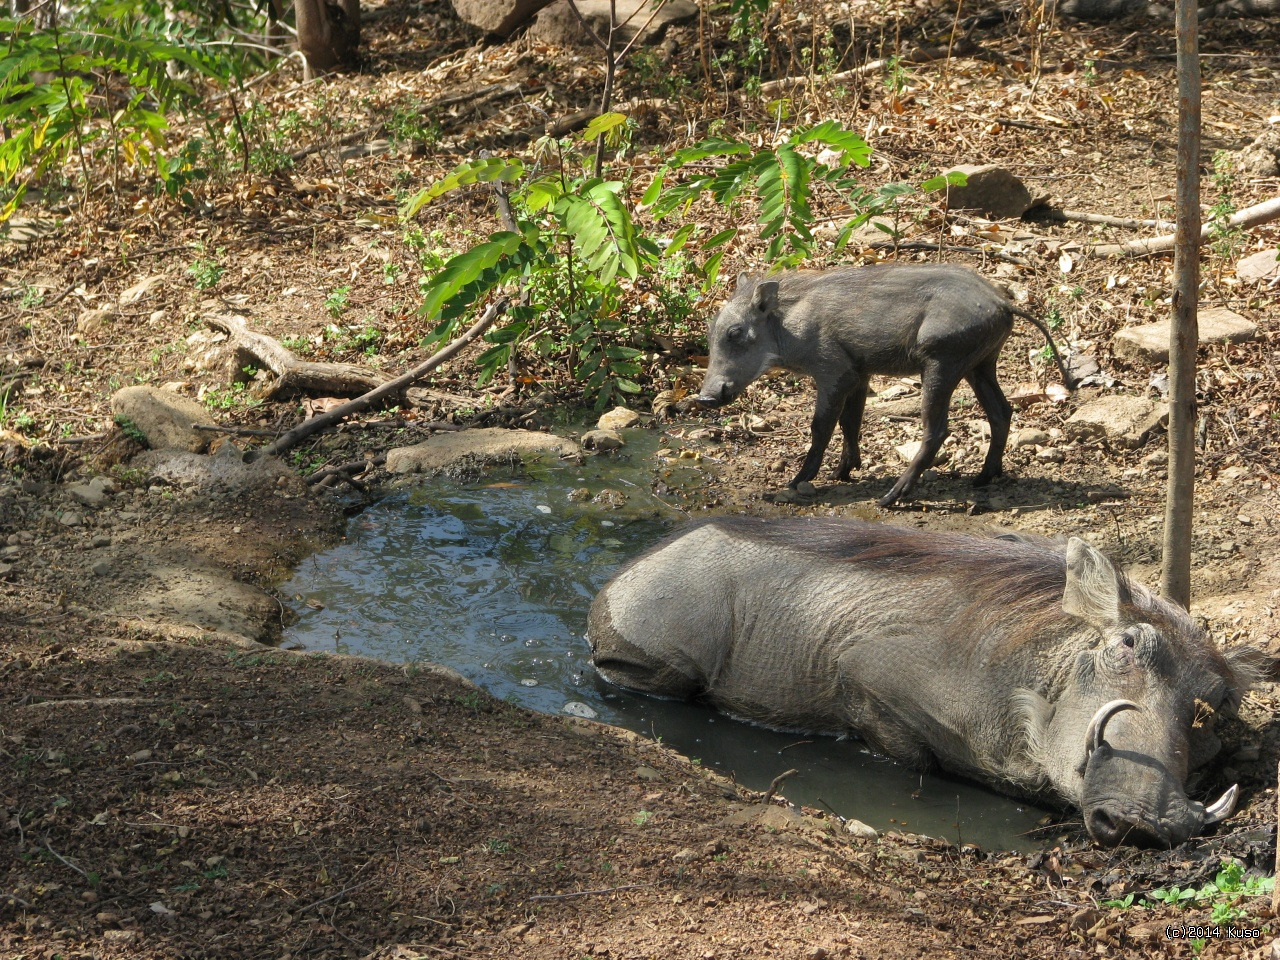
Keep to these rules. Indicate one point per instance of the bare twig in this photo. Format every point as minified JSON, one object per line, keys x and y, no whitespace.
{"x":63,"y":859}
{"x":98,"y":702}
{"x":777,"y":782}
{"x":588,"y":893}
{"x":234,"y":431}
{"x":14,"y":897}
{"x":341,"y":893}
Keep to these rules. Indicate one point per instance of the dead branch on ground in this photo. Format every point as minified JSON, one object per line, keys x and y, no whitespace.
{"x":1053,"y":215}
{"x":388,"y":389}
{"x":964,"y":47}
{"x":1243,"y":219}
{"x":292,"y":374}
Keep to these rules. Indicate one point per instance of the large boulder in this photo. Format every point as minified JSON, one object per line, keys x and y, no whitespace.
{"x":478,"y":446}
{"x":163,"y":418}
{"x":558,"y":24}
{"x":994,"y":191}
{"x":501,"y":17}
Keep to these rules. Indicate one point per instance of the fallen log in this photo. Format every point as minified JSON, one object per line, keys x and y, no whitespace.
{"x":294,"y":375}
{"x":388,"y":389}
{"x":1243,"y":219}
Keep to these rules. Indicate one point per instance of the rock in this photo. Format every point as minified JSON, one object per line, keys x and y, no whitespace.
{"x":558,"y":25}
{"x":87,"y":494}
{"x":140,"y":290}
{"x":101,"y":540}
{"x":1262,"y":157}
{"x":619,"y":418}
{"x":501,"y":17}
{"x":69,"y":519}
{"x":576,"y":708}
{"x":1149,"y":344}
{"x":1029,"y":437}
{"x":908,"y":451}
{"x":1103,"y":10}
{"x":1051,"y":455}
{"x":1263,"y":265}
{"x":164,"y":419}
{"x":184,"y":592}
{"x":687,"y":855}
{"x":1125,"y":421}
{"x":94,"y":321}
{"x":603,"y":441}
{"x":223,"y":472}
{"x":860,"y":830}
{"x":102,"y":568}
{"x":992,"y":190}
{"x":479,"y":445}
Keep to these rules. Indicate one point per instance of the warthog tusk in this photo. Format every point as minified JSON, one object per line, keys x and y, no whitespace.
{"x":1097,"y":730}
{"x":1223,"y":807}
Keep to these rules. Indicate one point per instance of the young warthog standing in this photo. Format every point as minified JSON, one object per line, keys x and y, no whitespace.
{"x":943,"y":322}
{"x":1041,"y":670}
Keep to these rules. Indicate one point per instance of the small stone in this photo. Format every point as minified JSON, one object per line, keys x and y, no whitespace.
{"x":860,"y":830}
{"x":806,"y":489}
{"x":102,"y":568}
{"x":101,"y":540}
{"x":575,"y":708}
{"x":87,"y":495}
{"x":603,"y":441}
{"x":1158,"y":458}
{"x":619,"y":418}
{"x":70,"y":519}
{"x":1051,"y":455}
{"x":1029,"y":437}
{"x":686,"y":855}
{"x":1245,"y":521}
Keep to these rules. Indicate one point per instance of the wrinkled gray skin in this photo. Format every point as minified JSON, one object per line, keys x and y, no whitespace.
{"x":945,"y":323}
{"x":1040,"y":670}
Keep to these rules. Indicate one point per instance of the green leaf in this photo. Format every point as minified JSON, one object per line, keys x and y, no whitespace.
{"x":854,"y":150}
{"x":484,"y":170}
{"x":465,"y":268}
{"x":603,"y":124}
{"x":653,"y":191}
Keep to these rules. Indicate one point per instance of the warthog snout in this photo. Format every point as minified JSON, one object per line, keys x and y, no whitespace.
{"x":1115,"y":820}
{"x":717,"y":395}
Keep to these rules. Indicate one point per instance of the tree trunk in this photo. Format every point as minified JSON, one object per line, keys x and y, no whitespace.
{"x":1175,"y":577}
{"x":328,"y":34}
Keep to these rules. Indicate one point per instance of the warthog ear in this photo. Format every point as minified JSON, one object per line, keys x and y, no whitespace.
{"x":1095,"y":590}
{"x":765,"y":298}
{"x":744,"y":279}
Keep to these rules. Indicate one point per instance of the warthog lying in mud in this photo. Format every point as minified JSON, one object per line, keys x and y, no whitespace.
{"x":943,"y":322}
{"x":1039,"y":669}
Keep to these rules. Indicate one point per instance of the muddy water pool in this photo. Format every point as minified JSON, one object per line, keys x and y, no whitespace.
{"x":493,"y":577}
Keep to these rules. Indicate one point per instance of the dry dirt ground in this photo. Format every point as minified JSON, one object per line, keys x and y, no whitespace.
{"x":168,"y":791}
